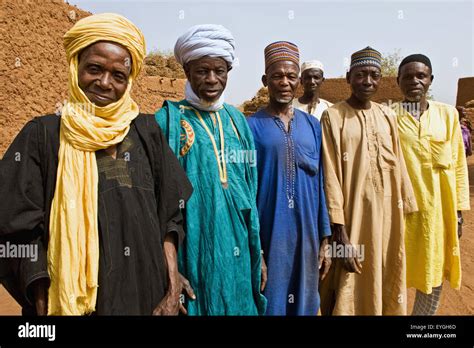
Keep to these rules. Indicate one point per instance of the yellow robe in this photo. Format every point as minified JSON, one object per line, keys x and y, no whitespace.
{"x":368,"y":190}
{"x":436,"y":162}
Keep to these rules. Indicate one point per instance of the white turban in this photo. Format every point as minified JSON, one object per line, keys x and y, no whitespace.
{"x":312,"y":64}
{"x":211,"y":40}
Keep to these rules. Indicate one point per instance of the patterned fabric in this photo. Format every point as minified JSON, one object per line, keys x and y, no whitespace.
{"x":427,"y":304}
{"x":366,"y":56}
{"x":290,"y":170}
{"x":186,"y":137}
{"x":116,"y":168}
{"x":281,"y":50}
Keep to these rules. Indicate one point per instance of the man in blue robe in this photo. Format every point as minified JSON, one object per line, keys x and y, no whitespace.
{"x":294,"y":223}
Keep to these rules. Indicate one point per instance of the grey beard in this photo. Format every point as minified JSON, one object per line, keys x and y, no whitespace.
{"x":284,"y":100}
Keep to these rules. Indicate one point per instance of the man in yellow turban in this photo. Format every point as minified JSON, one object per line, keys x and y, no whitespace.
{"x":97,"y":192}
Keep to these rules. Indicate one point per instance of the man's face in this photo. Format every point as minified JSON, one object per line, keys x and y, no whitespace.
{"x":364,"y":81}
{"x":414,"y":79}
{"x":282,"y":81}
{"x":312,"y":79}
{"x":208,"y":77}
{"x":104,"y":68}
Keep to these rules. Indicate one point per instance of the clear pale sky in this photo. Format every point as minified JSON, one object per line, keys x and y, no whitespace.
{"x":323,"y":30}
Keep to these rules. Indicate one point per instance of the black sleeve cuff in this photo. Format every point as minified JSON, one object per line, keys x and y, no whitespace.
{"x":29,"y":270}
{"x":175,"y":224}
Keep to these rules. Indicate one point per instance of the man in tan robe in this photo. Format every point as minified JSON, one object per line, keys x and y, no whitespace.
{"x":368,"y":191}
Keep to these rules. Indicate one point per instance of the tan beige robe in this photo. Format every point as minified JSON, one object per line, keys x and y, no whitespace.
{"x":368,"y":190}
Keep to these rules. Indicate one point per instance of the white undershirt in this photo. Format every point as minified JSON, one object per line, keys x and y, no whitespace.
{"x":317,"y":112}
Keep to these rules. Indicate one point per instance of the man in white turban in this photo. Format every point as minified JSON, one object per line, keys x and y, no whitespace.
{"x":221,"y":256}
{"x":210,"y":41}
{"x":312,"y":78}
{"x":206,"y":40}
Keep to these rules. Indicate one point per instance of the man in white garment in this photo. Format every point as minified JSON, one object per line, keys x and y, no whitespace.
{"x":312,"y":78}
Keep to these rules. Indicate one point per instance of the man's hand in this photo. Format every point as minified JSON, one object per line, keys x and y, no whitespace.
{"x":170,"y":304}
{"x":263,"y":282}
{"x":40,"y":293}
{"x":186,"y":286}
{"x":351,"y":264}
{"x":324,"y":259}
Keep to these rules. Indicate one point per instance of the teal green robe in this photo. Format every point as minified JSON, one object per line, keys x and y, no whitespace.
{"x":221,"y":253}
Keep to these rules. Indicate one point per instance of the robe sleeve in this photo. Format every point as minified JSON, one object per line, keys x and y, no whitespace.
{"x":460,"y":165}
{"x":253,"y":223}
{"x":332,"y":169}
{"x":169,"y":121}
{"x":324,"y":227}
{"x":22,"y":213}
{"x":407,"y":192}
{"x":172,"y":185}
{"x":254,"y":234}
{"x":175,"y":225}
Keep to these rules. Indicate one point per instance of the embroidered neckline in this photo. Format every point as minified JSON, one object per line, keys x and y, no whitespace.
{"x":221,"y":165}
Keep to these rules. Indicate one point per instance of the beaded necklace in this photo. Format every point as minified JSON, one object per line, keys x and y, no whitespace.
{"x":221,"y":165}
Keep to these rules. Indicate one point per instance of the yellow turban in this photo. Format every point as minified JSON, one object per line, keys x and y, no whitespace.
{"x":73,"y":250}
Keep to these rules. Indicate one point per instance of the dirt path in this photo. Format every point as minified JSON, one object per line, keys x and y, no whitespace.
{"x":452,"y":302}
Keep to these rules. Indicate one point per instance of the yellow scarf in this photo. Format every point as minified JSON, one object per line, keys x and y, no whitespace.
{"x":73,"y":250}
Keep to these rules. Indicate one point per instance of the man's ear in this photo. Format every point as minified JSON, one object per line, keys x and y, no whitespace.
{"x":348,"y":77}
{"x":264,"y":80}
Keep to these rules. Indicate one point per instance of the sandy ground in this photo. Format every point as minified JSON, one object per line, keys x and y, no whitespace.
{"x":453,"y":302}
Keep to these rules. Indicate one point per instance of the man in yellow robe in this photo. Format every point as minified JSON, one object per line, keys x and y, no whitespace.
{"x":368,"y":191}
{"x":432,"y":145}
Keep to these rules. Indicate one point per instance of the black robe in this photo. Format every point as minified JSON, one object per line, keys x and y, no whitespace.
{"x":140,"y":195}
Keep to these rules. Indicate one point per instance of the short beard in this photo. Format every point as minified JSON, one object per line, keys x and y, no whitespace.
{"x":284,"y":100}
{"x":417,"y":99}
{"x":208,"y":102}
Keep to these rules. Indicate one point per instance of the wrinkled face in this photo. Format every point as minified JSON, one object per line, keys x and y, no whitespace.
{"x":208,"y":77}
{"x":282,"y":81}
{"x":104,"y":68}
{"x":414,"y":79}
{"x":312,"y":79}
{"x":364,"y":81}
